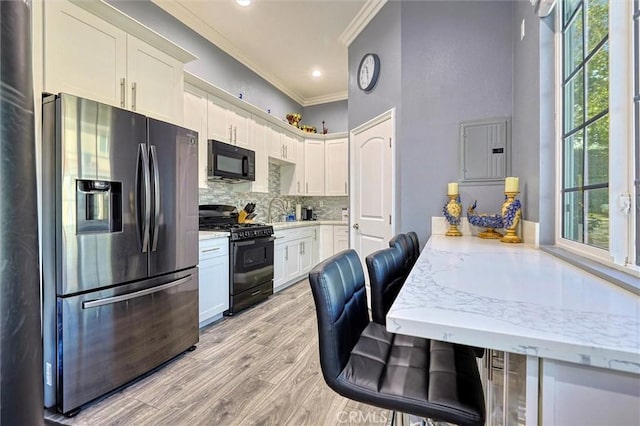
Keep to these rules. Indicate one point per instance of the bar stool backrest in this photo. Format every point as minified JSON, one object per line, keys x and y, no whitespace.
{"x":405,"y":245}
{"x":416,"y":245}
{"x":386,"y":276}
{"x":338,"y":288}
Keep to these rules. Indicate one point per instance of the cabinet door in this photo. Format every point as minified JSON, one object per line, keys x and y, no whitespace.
{"x":195,"y":118}
{"x":279,"y":259}
{"x":83,"y":55}
{"x":326,"y":242}
{"x":314,"y":166}
{"x":155,"y":81}
{"x":217,"y":126}
{"x":292,"y":260}
{"x":213,"y":279}
{"x":274,"y":141}
{"x":290,"y":147}
{"x":336,"y":166}
{"x":239,"y":119}
{"x":259,"y":145}
{"x":306,"y":254}
{"x":340,"y":238}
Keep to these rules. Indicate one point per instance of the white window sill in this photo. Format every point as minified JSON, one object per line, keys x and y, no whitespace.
{"x":627,"y":281}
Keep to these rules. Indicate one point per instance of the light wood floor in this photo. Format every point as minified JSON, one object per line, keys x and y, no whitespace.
{"x":258,"y":367}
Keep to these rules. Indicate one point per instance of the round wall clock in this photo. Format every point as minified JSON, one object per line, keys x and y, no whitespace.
{"x":368,"y":71}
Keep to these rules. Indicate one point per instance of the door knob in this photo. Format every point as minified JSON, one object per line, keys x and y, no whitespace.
{"x":356,"y":226}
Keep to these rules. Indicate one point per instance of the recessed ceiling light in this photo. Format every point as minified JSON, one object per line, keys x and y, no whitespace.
{"x":316,"y":73}
{"x":243,"y":3}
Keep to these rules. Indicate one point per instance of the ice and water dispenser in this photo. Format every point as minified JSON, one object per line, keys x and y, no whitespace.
{"x":98,"y":206}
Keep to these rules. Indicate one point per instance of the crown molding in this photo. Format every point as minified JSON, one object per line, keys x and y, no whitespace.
{"x":194,"y":22}
{"x":361,"y":20}
{"x":334,"y":97}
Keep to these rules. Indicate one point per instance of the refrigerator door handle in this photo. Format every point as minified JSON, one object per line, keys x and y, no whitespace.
{"x":156,"y":194}
{"x":129,"y":296}
{"x":143,"y":164}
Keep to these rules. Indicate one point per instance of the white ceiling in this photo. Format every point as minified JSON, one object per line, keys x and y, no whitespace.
{"x":284,"y":40}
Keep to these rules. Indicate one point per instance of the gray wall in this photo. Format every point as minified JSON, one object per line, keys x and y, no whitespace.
{"x":547,"y":170}
{"x":212,"y":65}
{"x":526,"y":108}
{"x":442,"y":63}
{"x":381,"y":36}
{"x":334,"y":115}
{"x":456,"y":66}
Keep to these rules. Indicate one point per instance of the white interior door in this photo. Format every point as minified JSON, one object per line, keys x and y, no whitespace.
{"x":372,"y":180}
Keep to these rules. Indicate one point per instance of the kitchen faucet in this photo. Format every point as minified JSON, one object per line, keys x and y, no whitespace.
{"x":281,"y":201}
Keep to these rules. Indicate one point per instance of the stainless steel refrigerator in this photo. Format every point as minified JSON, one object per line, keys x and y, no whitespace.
{"x":120,"y":247}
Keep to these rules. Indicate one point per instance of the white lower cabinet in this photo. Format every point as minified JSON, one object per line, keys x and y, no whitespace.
{"x":326,"y":242}
{"x":295,"y":254}
{"x":340,"y":238}
{"x":213,"y":279}
{"x":333,"y":239}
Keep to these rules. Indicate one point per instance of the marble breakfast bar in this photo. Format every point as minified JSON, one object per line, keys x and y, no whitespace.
{"x":580,"y":334}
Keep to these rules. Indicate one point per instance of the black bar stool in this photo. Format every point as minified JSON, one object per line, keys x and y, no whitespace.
{"x":416,"y":245}
{"x":405,"y":245}
{"x":360,"y":360}
{"x":386,"y":276}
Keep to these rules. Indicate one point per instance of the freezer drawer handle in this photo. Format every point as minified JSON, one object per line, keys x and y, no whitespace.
{"x":129,"y":296}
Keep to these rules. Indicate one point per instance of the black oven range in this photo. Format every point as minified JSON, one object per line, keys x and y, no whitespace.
{"x":251,"y":250}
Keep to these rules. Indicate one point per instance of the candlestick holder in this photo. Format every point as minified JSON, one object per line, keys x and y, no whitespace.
{"x":511,"y":213}
{"x":452,"y":211}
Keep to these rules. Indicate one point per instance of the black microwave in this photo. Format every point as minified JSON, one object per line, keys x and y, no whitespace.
{"x":230,"y":162}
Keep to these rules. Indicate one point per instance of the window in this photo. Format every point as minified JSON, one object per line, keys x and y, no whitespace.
{"x":598,"y":143}
{"x":585,"y":186}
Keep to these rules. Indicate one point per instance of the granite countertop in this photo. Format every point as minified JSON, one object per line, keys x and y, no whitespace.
{"x":516,"y":298}
{"x":298,"y":224}
{"x":207,"y":235}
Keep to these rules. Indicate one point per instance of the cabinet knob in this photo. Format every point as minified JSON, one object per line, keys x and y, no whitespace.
{"x":356,"y":226}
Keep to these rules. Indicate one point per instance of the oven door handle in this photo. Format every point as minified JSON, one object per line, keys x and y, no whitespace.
{"x":256,"y":241}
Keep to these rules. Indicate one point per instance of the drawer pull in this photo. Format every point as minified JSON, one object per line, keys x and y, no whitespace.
{"x":211,"y":249}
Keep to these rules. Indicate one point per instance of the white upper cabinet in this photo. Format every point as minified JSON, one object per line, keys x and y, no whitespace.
{"x":283,"y":146}
{"x":227,"y":123}
{"x":260,"y":146}
{"x":336,"y":166}
{"x":314,"y":166}
{"x":87,"y":56}
{"x":84,"y":55}
{"x":290,"y":144}
{"x":155,"y":81}
{"x":217,"y":120}
{"x":239,"y":120}
{"x":195,"y":118}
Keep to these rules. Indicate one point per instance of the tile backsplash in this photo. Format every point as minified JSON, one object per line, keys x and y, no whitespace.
{"x":220,"y":192}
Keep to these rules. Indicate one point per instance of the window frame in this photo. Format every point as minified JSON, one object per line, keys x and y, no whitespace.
{"x":621,"y":253}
